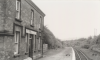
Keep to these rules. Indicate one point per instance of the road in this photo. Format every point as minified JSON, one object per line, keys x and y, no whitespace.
{"x":66,"y":54}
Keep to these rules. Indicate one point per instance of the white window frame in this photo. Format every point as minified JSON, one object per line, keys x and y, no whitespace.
{"x":17,"y":39}
{"x":35,"y":42}
{"x":40,"y":22}
{"x":39,"y":45}
{"x":32,"y":17}
{"x":27,"y":43}
{"x":18,"y":9}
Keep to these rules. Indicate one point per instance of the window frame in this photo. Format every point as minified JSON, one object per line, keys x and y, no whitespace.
{"x":27,"y":43}
{"x":18,"y":9}
{"x":16,"y":51}
{"x":35,"y":37}
{"x":40,"y":22}
{"x":39,"y":45}
{"x":32,"y":18}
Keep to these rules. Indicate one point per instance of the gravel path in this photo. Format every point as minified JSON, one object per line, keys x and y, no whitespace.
{"x":66,"y":54}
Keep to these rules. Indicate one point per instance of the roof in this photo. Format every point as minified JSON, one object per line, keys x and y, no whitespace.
{"x":35,"y":7}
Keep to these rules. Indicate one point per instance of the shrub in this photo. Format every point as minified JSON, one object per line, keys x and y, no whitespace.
{"x":86,"y":46}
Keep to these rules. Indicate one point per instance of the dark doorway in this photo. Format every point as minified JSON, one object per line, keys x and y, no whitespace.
{"x":31,"y":46}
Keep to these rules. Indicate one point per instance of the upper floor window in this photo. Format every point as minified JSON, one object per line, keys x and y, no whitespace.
{"x":32,"y":17}
{"x":40,"y":22}
{"x":18,"y":9}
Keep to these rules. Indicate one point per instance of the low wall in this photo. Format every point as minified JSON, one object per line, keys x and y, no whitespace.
{"x":45,"y":47}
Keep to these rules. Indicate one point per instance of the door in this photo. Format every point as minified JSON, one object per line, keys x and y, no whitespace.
{"x":31,"y":46}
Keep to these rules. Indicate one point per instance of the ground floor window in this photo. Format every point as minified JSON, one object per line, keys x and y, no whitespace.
{"x":35,"y":42}
{"x":39,"y":44}
{"x":17,"y":40}
{"x":27,"y":42}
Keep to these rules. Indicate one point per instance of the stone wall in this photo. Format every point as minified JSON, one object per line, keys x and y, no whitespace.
{"x":1,"y":48}
{"x":7,"y":20}
{"x":9,"y":48}
{"x":45,"y":47}
{"x":10,"y":15}
{"x":26,"y":15}
{"x":2,"y":14}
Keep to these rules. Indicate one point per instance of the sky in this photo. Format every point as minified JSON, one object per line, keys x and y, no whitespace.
{"x":71,"y":19}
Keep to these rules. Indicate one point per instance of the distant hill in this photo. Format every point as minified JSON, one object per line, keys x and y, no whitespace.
{"x":50,"y":39}
{"x":88,"y":43}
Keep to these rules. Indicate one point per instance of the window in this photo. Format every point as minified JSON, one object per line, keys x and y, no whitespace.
{"x":30,"y":45}
{"x":39,"y":43}
{"x":17,"y":39}
{"x":40,"y":22}
{"x":35,"y":42}
{"x":32,"y":17}
{"x":27,"y":43}
{"x":18,"y":9}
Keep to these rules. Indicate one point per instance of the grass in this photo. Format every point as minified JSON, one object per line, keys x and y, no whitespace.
{"x":91,"y":54}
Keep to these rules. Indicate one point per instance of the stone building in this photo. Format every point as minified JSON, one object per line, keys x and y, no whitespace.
{"x":21,"y":27}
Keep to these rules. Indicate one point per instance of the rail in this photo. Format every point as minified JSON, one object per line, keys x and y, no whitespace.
{"x":80,"y":55}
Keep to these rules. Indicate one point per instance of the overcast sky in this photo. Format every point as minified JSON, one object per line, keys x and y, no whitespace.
{"x":71,"y":19}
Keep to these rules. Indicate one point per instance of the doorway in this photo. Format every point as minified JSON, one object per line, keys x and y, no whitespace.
{"x":31,"y":46}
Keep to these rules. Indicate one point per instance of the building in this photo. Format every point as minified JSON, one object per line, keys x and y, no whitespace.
{"x":21,"y":27}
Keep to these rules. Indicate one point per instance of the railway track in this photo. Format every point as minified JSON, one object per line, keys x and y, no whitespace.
{"x":80,"y":55}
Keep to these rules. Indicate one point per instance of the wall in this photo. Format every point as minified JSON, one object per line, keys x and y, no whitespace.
{"x":1,"y":48}
{"x":7,"y":20}
{"x":26,"y":15}
{"x":2,"y":14}
{"x":10,"y":15}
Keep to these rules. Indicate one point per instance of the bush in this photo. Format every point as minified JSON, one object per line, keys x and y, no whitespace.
{"x":86,"y":46}
{"x":50,"y":39}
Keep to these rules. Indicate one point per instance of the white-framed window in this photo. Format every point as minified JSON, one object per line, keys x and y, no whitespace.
{"x":35,"y":42}
{"x":17,"y":39}
{"x":27,"y":43}
{"x":18,"y":9}
{"x":40,"y":22}
{"x":32,"y":17}
{"x":39,"y":43}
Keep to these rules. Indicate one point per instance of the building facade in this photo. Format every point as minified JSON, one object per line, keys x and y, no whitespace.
{"x":21,"y":27}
